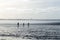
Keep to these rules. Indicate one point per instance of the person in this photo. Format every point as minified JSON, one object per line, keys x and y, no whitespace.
{"x":18,"y":24}
{"x":28,"y":25}
{"x":23,"y":24}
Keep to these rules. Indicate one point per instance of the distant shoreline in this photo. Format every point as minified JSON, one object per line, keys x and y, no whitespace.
{"x":35,"y":19}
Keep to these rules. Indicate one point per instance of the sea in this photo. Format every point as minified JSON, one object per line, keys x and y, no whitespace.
{"x":29,"y":29}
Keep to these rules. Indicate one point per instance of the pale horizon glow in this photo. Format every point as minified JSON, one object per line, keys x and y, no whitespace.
{"x":26,"y":0}
{"x":29,"y":9}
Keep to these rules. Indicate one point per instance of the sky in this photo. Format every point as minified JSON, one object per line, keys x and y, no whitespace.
{"x":29,"y":9}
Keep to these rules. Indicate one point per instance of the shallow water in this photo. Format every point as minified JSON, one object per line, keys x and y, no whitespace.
{"x":10,"y":31}
{"x":29,"y":33}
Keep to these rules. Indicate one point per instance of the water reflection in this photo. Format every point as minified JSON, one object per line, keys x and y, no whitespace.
{"x":37,"y":32}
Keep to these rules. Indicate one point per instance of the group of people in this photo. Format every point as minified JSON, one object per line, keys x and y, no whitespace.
{"x":23,"y":24}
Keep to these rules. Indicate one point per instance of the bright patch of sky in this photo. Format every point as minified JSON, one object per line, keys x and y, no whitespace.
{"x":27,"y":9}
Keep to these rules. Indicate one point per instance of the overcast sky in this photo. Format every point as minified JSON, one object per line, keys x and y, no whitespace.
{"x":27,"y":9}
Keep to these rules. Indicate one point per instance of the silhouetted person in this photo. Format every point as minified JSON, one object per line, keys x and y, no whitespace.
{"x":28,"y":25}
{"x":18,"y":24}
{"x":23,"y":24}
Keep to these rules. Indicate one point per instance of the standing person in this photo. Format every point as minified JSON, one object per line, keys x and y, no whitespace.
{"x":18,"y":24}
{"x":23,"y":24}
{"x":28,"y":25}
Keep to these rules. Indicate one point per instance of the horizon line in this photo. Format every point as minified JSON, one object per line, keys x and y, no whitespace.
{"x":3,"y":19}
{"x":35,"y":19}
